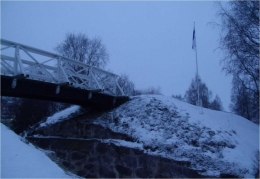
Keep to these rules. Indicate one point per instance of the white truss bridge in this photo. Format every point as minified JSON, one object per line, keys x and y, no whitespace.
{"x":21,"y":63}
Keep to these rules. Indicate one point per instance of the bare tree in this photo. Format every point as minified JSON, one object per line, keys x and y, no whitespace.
{"x":150,"y":90}
{"x":240,"y":42}
{"x":216,"y":104}
{"x":126,"y":85}
{"x":80,"y":47}
{"x":244,"y":103}
{"x":179,"y":97}
{"x":191,"y":95}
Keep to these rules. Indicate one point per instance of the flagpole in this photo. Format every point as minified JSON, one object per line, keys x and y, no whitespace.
{"x":198,"y":89}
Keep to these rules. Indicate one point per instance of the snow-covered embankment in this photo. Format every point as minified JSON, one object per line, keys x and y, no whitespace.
{"x":21,"y":160}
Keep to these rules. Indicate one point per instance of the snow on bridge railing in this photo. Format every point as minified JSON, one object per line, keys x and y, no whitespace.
{"x":32,"y":63}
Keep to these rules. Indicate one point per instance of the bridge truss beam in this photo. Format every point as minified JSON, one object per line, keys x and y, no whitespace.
{"x":49,"y":67}
{"x":34,"y":73}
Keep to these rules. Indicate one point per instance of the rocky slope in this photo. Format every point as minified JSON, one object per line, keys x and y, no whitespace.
{"x":153,"y":136}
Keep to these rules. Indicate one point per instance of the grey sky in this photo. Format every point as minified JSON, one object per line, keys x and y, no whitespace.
{"x":149,"y":41}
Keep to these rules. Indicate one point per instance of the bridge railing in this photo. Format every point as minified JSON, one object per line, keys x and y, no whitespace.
{"x":22,"y":61}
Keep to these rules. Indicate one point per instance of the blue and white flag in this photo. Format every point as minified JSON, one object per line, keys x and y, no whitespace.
{"x":194,"y":39}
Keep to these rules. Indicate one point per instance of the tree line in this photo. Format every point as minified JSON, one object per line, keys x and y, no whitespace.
{"x":191,"y":95}
{"x":239,"y":40}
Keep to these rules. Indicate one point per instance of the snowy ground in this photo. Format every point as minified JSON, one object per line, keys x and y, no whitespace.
{"x":21,"y":160}
{"x":213,"y":142}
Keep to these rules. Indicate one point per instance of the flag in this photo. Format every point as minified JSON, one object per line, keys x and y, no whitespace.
{"x":194,"y":39}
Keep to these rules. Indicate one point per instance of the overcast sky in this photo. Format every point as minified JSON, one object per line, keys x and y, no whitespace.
{"x":149,"y":41}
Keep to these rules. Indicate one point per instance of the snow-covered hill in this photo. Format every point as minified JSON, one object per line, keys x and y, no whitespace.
{"x":20,"y":160}
{"x":213,"y":142}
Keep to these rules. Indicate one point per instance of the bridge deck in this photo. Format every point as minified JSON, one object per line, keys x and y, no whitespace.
{"x":47,"y":91}
{"x":34,"y":73}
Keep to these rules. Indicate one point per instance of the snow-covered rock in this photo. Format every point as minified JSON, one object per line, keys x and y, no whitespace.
{"x":213,"y":142}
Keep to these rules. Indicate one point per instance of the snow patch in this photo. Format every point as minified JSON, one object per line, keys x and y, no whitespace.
{"x":61,"y":115}
{"x":21,"y":160}
{"x":214,"y":142}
